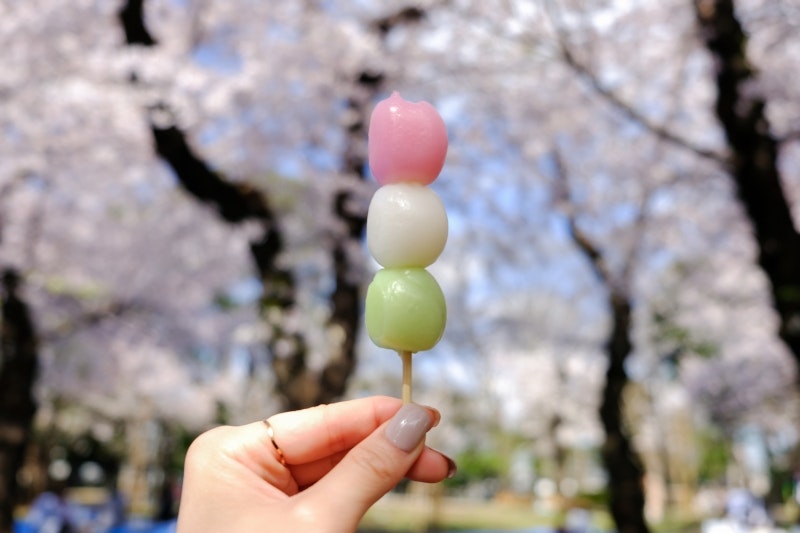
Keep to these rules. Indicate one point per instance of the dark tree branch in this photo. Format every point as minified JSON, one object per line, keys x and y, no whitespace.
{"x":754,"y":161}
{"x":405,"y":15}
{"x":91,"y":318}
{"x":131,"y":15}
{"x":346,"y":297}
{"x":19,"y":362}
{"x":633,"y":114}
{"x":628,"y":110}
{"x":238,"y":202}
{"x":584,"y":243}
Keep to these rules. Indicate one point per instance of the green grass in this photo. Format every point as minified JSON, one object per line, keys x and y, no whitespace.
{"x":425,"y":512}
{"x":419,"y":513}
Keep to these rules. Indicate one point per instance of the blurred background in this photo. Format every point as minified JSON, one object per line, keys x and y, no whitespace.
{"x":183,"y":191}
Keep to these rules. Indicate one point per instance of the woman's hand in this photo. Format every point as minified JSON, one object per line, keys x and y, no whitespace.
{"x":320,"y":469}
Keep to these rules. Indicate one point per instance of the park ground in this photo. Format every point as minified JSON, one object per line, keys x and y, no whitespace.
{"x":402,"y":513}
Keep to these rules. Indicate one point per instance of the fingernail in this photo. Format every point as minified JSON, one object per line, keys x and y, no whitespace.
{"x":437,"y":416}
{"x":452,"y":468}
{"x":408,"y":426}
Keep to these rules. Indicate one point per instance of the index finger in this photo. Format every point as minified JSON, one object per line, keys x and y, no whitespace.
{"x":318,"y":432}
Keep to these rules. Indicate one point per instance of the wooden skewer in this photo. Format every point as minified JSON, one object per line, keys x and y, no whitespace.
{"x":406,"y":357}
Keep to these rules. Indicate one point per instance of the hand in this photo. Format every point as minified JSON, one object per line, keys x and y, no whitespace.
{"x":339,"y":460}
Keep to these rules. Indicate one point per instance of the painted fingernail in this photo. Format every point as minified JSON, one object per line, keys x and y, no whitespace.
{"x":452,"y":468}
{"x":437,"y":416}
{"x":409,"y":426}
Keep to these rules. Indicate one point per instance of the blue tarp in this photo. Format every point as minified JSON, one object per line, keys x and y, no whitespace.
{"x":136,"y":526}
{"x":49,"y":513}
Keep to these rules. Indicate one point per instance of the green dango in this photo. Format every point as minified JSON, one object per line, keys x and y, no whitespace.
{"x":405,"y":310}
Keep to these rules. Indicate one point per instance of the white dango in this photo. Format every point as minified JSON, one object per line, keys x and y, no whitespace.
{"x":406,"y":226}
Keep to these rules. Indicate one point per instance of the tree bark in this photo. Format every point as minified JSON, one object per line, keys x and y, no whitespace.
{"x":753,"y":161}
{"x":622,"y":464}
{"x":626,"y":497}
{"x":298,"y":385}
{"x":346,"y":297}
{"x":237,"y":203}
{"x":18,"y":369}
{"x":626,"y":474}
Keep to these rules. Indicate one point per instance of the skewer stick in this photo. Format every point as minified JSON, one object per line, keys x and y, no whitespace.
{"x":406,"y":357}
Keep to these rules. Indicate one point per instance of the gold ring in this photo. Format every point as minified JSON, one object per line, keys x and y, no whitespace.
{"x":271,"y":435}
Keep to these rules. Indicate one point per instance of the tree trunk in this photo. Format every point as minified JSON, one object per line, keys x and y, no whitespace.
{"x":346,"y":297}
{"x":625,"y":472}
{"x":753,"y":161}
{"x":625,"y":487}
{"x":237,"y":203}
{"x":298,"y":385}
{"x":18,"y":369}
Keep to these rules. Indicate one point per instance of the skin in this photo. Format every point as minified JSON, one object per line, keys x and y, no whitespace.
{"x":339,"y":461}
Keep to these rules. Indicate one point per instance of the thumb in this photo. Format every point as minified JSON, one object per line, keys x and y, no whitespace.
{"x":374,"y":466}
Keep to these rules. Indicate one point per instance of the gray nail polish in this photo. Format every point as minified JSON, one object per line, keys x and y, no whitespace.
{"x":408,"y":426}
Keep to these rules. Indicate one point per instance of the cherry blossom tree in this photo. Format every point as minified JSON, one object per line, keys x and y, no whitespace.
{"x":300,"y":381}
{"x":666,"y":115}
{"x":184,"y":185}
{"x":91,"y":222}
{"x":743,"y":106}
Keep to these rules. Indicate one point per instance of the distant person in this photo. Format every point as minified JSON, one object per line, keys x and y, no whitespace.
{"x":578,"y":520}
{"x":50,"y":513}
{"x":166,"y":501}
{"x":318,"y":469}
{"x":745,"y":509}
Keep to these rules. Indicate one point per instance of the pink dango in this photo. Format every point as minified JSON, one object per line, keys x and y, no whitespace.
{"x":407,"y":141}
{"x":406,"y":229}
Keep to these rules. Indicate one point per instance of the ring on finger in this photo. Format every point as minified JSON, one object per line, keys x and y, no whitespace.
{"x":271,"y":435}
